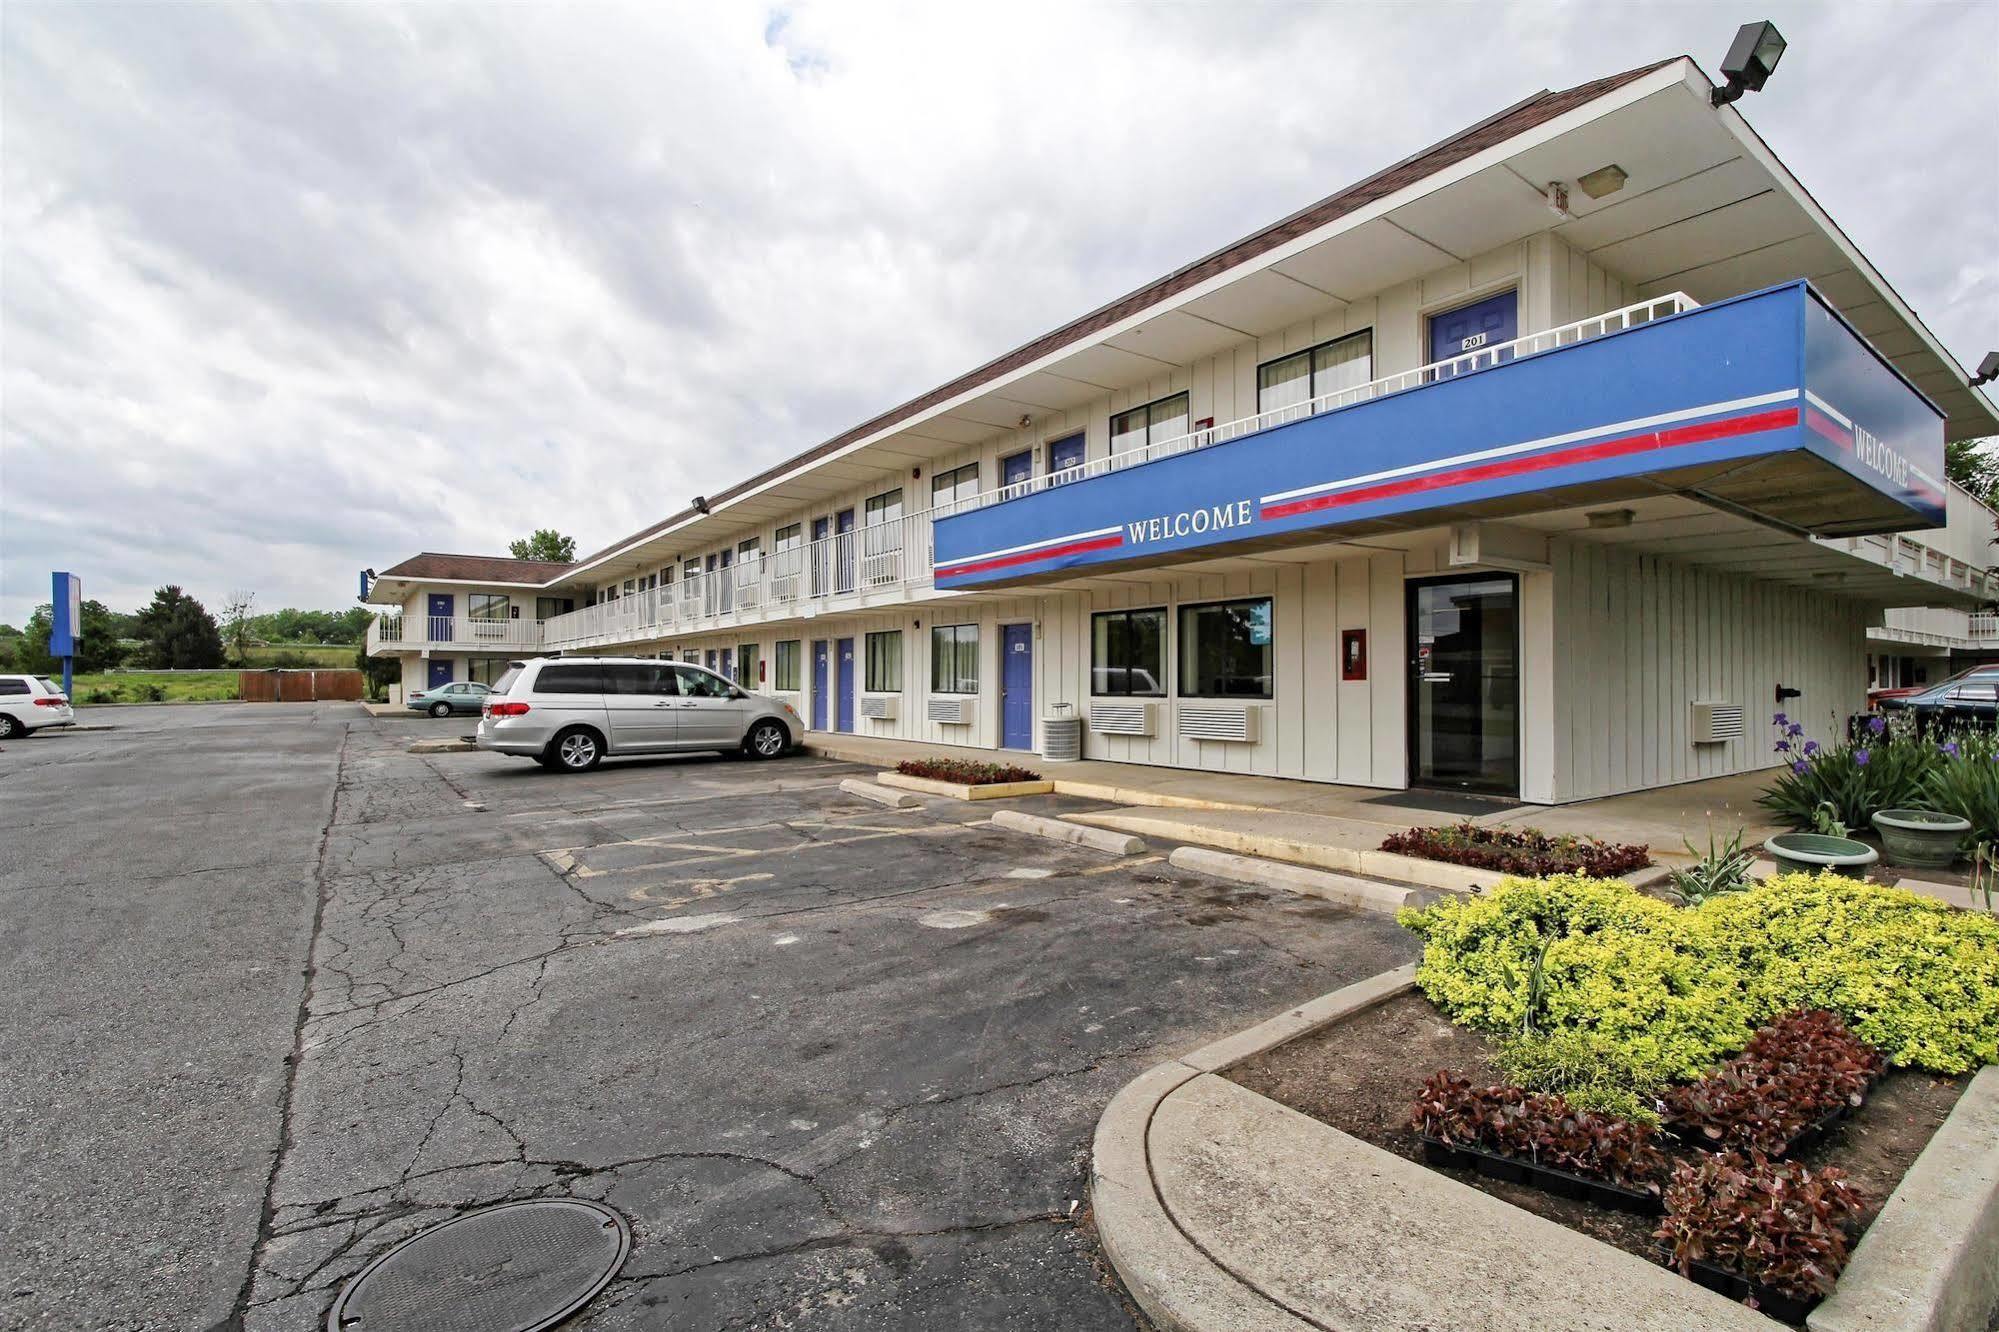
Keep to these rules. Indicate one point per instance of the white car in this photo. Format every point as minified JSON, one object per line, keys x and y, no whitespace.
{"x":30,"y":702}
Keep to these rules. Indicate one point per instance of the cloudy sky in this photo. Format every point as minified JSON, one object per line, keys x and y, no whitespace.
{"x":289,"y":291}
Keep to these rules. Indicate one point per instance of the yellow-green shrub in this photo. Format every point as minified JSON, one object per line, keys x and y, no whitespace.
{"x":1664,"y":992}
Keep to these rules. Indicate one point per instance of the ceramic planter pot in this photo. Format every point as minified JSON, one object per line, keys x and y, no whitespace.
{"x":1816,"y":851}
{"x":1920,"y":837}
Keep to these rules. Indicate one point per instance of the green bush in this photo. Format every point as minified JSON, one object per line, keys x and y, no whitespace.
{"x":1965,"y":782}
{"x":1883,"y":767}
{"x":1662,"y":993}
{"x":1584,"y":1069}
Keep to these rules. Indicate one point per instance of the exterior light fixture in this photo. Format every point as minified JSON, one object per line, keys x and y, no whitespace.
{"x":1557,"y":197}
{"x":1751,"y":59}
{"x":1605,"y":180}
{"x":1026,"y":421}
{"x":1988,"y":370}
{"x":700,"y":504}
{"x":1603,"y":518}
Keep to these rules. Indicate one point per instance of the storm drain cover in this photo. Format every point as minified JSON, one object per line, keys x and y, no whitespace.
{"x":514,"y":1267}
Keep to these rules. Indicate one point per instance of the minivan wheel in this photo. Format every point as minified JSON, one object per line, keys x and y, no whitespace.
{"x":766,"y":740}
{"x":576,"y":751}
{"x":440,"y":709}
{"x":11,"y":728}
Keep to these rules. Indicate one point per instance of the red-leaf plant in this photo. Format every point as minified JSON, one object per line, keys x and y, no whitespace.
{"x":965,"y":772}
{"x":1527,"y":851}
{"x":1794,"y":1072}
{"x":1541,"y":1128}
{"x":1777,"y":1223}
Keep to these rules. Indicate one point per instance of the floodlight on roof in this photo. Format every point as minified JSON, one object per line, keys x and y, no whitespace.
{"x":1988,"y":369}
{"x":1751,"y":59}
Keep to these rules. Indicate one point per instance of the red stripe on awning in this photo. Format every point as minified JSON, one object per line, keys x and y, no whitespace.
{"x":1032,"y":556}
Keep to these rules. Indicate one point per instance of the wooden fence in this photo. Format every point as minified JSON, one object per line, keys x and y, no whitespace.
{"x":299,"y":686}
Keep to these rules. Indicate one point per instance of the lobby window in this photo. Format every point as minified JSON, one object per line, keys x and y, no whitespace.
{"x":785,"y":671}
{"x":1128,"y":653}
{"x":884,"y":663}
{"x":1315,"y":372}
{"x":954,"y":659}
{"x":1225,"y":650}
{"x":960,"y":483}
{"x":485,"y":670}
{"x":1154,"y":423}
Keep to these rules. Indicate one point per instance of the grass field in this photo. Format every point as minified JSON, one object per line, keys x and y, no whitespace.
{"x":181,"y":687}
{"x":283,"y":654}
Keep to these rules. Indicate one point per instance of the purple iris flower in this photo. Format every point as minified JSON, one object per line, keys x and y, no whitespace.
{"x":1877,"y":724}
{"x":1811,"y":748}
{"x":1950,"y":748}
{"x":1794,"y":729}
{"x":1779,"y":719}
{"x":1860,"y":756}
{"x":1783,"y":746}
{"x":1800,"y":768}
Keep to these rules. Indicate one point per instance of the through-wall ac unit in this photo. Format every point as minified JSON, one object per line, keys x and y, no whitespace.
{"x":1122,"y":718}
{"x":952,"y":710}
{"x":879,"y":707}
{"x":1713,"y":723}
{"x":1218,"y":723}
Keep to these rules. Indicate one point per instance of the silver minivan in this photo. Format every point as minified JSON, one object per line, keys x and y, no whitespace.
{"x":569,"y":713}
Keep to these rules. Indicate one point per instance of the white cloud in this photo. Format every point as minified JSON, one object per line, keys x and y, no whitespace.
{"x":292,"y":290}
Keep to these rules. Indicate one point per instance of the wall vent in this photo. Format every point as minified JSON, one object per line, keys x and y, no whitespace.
{"x":1122,"y":718}
{"x":879,"y":707}
{"x":1234,"y":724}
{"x":952,"y":710}
{"x":1715,"y":723}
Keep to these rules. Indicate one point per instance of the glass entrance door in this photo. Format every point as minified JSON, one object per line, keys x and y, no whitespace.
{"x":1464,"y":683}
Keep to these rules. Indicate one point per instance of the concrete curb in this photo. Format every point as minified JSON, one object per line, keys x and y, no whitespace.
{"x":1097,"y":839}
{"x":1180,"y":1288}
{"x":959,"y":791}
{"x":72,"y":729}
{"x":1930,"y":1261}
{"x":881,"y":795}
{"x":1341,"y":888}
{"x":1318,"y":855}
{"x":442,"y":747}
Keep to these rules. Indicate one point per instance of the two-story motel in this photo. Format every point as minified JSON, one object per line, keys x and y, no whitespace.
{"x":1544,"y":462}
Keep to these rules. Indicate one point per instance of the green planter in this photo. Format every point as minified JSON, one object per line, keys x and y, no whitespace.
{"x":1920,"y":837}
{"x":1816,"y":851}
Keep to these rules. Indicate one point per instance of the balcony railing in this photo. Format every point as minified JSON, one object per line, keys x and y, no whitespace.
{"x":898,"y":554}
{"x":461,"y":633}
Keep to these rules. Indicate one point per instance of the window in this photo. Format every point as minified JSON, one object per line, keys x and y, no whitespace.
{"x":560,"y":679}
{"x":1225,"y":650}
{"x":954,"y":659}
{"x":488,"y":613}
{"x":548,"y":607}
{"x":1128,"y":653}
{"x":1154,"y":423}
{"x":486,"y":670}
{"x":785,"y":674}
{"x":746,"y":664}
{"x":960,"y":483}
{"x":14,"y":686}
{"x":507,"y":678}
{"x":697,"y":683}
{"x":1315,"y":372}
{"x":884,"y":664}
{"x":631,"y":678}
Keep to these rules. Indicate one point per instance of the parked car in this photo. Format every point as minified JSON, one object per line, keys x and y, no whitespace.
{"x":458,"y":696}
{"x":1969,"y":702}
{"x":1991,"y":669}
{"x":30,"y":702}
{"x":570,"y":713}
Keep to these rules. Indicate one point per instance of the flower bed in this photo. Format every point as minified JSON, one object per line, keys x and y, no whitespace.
{"x":1797,"y":1078}
{"x":1777,"y":1232}
{"x":966,"y":772}
{"x":1541,"y":1134}
{"x":1527,"y":851}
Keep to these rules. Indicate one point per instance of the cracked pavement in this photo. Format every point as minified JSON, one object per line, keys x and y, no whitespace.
{"x":838,"y":1064}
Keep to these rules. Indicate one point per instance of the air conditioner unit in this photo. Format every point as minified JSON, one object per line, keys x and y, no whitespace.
{"x":1714,"y":723}
{"x":953,"y":710}
{"x":1122,"y":718}
{"x":879,"y":707}
{"x":1238,"y":725}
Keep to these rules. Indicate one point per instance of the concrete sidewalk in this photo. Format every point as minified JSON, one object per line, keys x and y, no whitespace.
{"x":1317,"y":813}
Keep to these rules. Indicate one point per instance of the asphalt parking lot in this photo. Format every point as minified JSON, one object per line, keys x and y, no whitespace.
{"x":281,"y":993}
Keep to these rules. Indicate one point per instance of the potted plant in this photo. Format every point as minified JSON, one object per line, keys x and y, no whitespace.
{"x":1921,"y":837}
{"x":1825,"y":847}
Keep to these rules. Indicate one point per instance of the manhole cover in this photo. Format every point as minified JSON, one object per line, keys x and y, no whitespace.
{"x":515,"y":1267}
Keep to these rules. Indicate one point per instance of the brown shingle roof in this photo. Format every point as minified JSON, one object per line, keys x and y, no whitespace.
{"x":477,"y":568}
{"x":1538,"y":109}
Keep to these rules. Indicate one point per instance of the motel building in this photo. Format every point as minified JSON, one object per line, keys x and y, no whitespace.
{"x":1547,"y":462}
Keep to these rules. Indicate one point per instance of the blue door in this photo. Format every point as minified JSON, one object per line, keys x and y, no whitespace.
{"x":1065,"y":454}
{"x":845,"y":702}
{"x":1469,"y":328}
{"x":1016,"y":686}
{"x":843,"y":564}
{"x":821,"y":719}
{"x":441,"y":604}
{"x":440,"y":671}
{"x":1017,"y":468}
{"x":728,"y":666}
{"x":821,"y":569}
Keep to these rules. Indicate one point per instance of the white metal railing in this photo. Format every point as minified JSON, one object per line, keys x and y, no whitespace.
{"x":1981,"y":624}
{"x":1582,"y":330}
{"x":898,"y":553}
{"x":463,"y":632}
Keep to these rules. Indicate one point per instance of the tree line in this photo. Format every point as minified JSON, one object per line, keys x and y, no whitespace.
{"x":176,"y":632}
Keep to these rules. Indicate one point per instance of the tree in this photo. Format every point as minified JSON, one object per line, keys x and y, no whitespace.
{"x":236,"y":624}
{"x":379,"y":672}
{"x":97,"y":645}
{"x":546,"y":544}
{"x":178,"y":633}
{"x":1970,"y":463}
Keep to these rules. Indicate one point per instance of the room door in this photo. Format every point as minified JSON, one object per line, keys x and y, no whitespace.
{"x":441,"y":607}
{"x":440,"y":672}
{"x":1016,"y":686}
{"x":1472,"y":328}
{"x":822,"y":719}
{"x":845,"y":702}
{"x":1464,"y":683}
